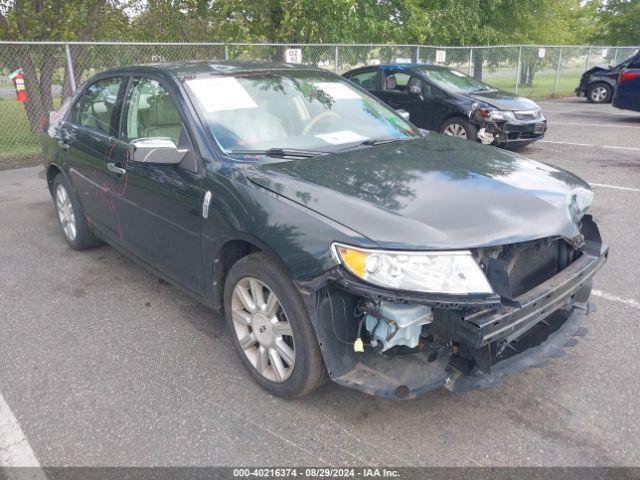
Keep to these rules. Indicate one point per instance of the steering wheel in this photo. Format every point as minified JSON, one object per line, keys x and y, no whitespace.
{"x":314,"y":121}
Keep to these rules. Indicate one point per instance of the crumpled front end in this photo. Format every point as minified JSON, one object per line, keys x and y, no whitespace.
{"x":520,"y":128}
{"x":401,"y":344}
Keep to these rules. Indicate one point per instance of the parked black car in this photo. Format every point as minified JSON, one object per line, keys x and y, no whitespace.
{"x":598,"y":84}
{"x":336,"y":238}
{"x":453,"y":103}
{"x":627,"y":96}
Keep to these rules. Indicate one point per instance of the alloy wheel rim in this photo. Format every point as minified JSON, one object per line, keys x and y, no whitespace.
{"x":599,"y":94}
{"x":262,"y":329}
{"x":65,"y":213}
{"x":455,"y":130}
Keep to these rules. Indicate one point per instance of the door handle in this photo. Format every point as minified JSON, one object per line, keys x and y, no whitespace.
{"x":112,"y":167}
{"x":63,"y":145}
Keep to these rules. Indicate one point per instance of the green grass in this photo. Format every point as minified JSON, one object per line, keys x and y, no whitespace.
{"x":16,"y":137}
{"x":542,"y":85}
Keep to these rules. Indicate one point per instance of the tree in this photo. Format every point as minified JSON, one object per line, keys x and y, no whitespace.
{"x":618,"y":22}
{"x":493,"y":22}
{"x":325,"y":21}
{"x":53,"y":20}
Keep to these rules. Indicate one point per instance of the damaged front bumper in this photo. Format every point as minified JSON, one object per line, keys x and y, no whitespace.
{"x":470,"y":345}
{"x":514,"y":132}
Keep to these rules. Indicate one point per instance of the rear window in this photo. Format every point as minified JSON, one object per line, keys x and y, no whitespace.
{"x":96,"y":107}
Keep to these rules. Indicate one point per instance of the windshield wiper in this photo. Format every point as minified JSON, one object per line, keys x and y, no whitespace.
{"x":375,"y":141}
{"x":281,"y":152}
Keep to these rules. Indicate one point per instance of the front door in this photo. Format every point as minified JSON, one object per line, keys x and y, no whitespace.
{"x":87,"y":138}
{"x":403,"y":91}
{"x":158,"y":207}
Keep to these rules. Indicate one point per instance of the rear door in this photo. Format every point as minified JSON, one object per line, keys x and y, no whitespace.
{"x":88,"y":135}
{"x":627,"y":94}
{"x":158,"y":207}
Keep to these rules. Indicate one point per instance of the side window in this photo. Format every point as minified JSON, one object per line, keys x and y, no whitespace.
{"x":401,"y":82}
{"x":150,"y":112}
{"x":366,"y":80}
{"x":96,"y":107}
{"x":635,"y":63}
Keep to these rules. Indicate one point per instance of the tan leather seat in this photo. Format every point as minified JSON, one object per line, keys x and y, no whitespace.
{"x":161,"y":119}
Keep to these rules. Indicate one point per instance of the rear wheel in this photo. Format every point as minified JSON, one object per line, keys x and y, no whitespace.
{"x":460,"y":128}
{"x":71,"y":220}
{"x":270,"y":328}
{"x":599,"y":92}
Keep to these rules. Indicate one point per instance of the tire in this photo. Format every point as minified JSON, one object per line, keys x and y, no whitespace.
{"x":463,"y":127}
{"x":599,"y":92}
{"x":258,"y":273}
{"x":71,"y":220}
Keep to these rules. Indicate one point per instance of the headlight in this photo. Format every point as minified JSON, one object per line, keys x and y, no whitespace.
{"x":453,"y":272}
{"x":578,"y":202}
{"x":502,"y":115}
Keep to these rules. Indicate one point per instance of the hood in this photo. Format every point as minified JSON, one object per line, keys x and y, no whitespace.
{"x":430,"y":193}
{"x":598,"y":69}
{"x":503,"y":100}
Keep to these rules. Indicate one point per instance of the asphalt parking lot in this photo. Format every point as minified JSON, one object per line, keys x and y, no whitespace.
{"x":101,"y":364}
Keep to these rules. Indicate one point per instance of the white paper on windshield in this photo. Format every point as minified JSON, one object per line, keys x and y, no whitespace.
{"x":340,"y":137}
{"x":337,"y":91}
{"x":221,"y":93}
{"x":458,"y":73}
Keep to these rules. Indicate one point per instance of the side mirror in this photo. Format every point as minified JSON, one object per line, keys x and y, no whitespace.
{"x":403,"y":113}
{"x":159,"y":150}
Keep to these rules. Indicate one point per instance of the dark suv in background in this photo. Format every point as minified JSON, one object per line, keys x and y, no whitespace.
{"x":453,"y":103}
{"x":627,"y":96}
{"x":598,"y":84}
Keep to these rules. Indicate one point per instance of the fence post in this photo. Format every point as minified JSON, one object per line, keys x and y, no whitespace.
{"x":417,"y":58}
{"x":72,"y":78}
{"x":615,"y":56}
{"x":226,"y":51}
{"x":519,"y":67}
{"x":586,"y":64}
{"x":336,"y":59}
{"x":470,"y":61}
{"x":555,"y":81}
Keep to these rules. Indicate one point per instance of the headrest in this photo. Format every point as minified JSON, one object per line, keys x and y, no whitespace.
{"x":391,"y":82}
{"x":162,"y":111}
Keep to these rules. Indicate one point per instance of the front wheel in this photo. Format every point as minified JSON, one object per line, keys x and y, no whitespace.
{"x":459,"y":128}
{"x":599,"y":92}
{"x":270,"y":328}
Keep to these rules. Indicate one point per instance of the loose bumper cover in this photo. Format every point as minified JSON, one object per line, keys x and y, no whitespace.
{"x":499,"y":340}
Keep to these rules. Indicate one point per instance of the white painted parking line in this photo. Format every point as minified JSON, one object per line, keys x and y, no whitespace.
{"x":608,"y":125}
{"x":590,"y":145}
{"x":15,"y":450}
{"x":616,"y":187}
{"x":591,"y":112}
{"x":614,"y":298}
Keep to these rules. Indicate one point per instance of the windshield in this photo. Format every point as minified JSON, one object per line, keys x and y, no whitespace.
{"x":297,"y":110}
{"x":452,"y":80}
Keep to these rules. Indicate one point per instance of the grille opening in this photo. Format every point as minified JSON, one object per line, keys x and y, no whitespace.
{"x":522,"y":267}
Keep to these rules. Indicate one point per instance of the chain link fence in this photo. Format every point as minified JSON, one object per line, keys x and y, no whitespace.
{"x":53,"y":70}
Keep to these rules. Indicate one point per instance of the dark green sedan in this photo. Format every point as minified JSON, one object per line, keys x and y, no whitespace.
{"x":339,"y":240}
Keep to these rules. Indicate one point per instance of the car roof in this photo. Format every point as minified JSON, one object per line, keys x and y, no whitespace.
{"x":399,"y":66}
{"x":212,"y":67}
